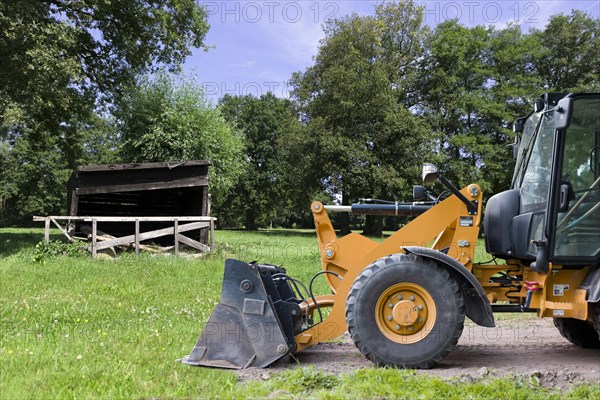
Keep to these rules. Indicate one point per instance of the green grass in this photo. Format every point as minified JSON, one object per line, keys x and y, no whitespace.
{"x":73,"y":327}
{"x":384,"y":383}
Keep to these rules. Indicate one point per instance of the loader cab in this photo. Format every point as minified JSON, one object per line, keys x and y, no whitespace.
{"x":552,"y":211}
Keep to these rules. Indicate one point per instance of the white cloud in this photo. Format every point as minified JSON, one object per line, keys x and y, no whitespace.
{"x":296,"y":43}
{"x":260,"y":44}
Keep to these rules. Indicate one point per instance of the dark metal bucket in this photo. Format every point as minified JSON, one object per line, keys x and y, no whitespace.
{"x":253,"y":325}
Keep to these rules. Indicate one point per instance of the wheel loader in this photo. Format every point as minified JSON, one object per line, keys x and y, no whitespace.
{"x":403,"y":301}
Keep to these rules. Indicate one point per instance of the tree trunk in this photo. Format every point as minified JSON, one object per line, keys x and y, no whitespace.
{"x":373,"y":226}
{"x":250,"y":220}
{"x":344,"y":218}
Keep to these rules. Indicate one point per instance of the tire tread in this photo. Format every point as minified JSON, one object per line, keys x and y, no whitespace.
{"x":362,"y":343}
{"x":579,"y":332}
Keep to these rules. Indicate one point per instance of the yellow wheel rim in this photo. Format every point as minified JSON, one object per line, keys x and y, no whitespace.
{"x":405,"y":313}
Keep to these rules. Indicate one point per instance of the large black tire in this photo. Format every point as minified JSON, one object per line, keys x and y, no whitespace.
{"x":366,"y":319}
{"x":597,"y":320}
{"x":578,"y":332}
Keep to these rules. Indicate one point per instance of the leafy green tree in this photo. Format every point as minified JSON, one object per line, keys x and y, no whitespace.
{"x":476,"y":81}
{"x":61,"y":56}
{"x":34,"y":167}
{"x":168,"y":118}
{"x":33,"y":178}
{"x":358,"y":93}
{"x":567,"y":56}
{"x":456,"y":74}
{"x":61,"y":62}
{"x":261,"y":197}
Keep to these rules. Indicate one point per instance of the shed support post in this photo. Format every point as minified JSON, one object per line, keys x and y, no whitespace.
{"x":47,"y":230}
{"x":137,"y":236}
{"x":176,"y":231}
{"x":94,"y":237}
{"x":212,"y":234}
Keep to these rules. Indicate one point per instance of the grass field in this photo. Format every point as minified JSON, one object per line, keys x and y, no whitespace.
{"x":73,"y":327}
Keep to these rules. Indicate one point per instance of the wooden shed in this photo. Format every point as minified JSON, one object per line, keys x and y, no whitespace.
{"x":170,"y":189}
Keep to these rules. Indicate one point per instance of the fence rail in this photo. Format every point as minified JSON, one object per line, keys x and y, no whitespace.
{"x":180,"y":225}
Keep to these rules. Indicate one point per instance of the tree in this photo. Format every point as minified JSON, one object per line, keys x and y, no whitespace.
{"x":168,"y":118}
{"x":61,"y":62}
{"x":568,"y":58}
{"x":58,"y":58}
{"x":476,"y":81}
{"x":34,"y":168}
{"x":359,"y":93}
{"x":261,"y":196}
{"x":456,"y":76}
{"x":33,"y":181}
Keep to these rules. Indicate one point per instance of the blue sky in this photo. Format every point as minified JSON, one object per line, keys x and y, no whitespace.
{"x":259,"y":44}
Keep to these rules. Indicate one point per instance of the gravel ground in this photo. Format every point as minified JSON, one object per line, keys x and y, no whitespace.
{"x":521,"y":346}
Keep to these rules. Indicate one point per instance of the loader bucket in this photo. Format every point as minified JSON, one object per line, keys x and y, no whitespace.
{"x":244,"y":330}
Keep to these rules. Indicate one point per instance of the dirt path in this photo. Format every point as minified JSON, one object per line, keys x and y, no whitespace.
{"x":523,"y":347}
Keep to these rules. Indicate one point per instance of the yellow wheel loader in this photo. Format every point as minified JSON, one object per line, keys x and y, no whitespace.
{"x":404,"y":300}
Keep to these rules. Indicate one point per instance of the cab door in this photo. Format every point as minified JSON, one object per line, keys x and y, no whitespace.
{"x":575,"y":227}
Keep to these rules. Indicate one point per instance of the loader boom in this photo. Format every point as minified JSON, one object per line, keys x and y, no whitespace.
{"x":448,"y":225}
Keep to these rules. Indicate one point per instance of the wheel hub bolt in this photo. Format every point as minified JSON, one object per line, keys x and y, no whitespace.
{"x":410,"y":328}
{"x":399,"y":297}
{"x":397,"y":327}
{"x":420,"y":319}
{"x":412,"y":298}
{"x":390,"y":318}
{"x":390,"y":305}
{"x":420,"y":307}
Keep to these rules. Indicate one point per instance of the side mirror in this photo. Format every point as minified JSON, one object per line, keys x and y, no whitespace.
{"x":564,"y":113}
{"x":430,"y":173}
{"x":566,"y":195}
{"x":515,"y":147}
{"x":538,"y":105}
{"x":420,"y":193}
{"x":519,"y":125}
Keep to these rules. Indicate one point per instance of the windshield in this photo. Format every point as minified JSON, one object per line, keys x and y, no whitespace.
{"x":536,"y":176}
{"x":531,"y":124}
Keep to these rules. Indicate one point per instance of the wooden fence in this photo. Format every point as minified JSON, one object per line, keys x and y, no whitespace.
{"x":180,"y":225}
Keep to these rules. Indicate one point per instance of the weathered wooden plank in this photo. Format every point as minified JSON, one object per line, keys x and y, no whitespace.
{"x":46,"y":230}
{"x":151,"y":235}
{"x":193,"y":243}
{"x":94,"y":238}
{"x":212,"y":234}
{"x":64,"y":232}
{"x":174,"y":184}
{"x":126,"y":219}
{"x":133,"y":166}
{"x":204,"y":200}
{"x":104,"y":179}
{"x":73,"y":202}
{"x":176,"y":232}
{"x":137,"y":236}
{"x":191,"y":223}
{"x":139,"y":189}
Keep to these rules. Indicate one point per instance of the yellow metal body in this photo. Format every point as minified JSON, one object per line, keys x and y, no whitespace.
{"x":557,"y":295}
{"x":446,"y":226}
{"x":349,"y":255}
